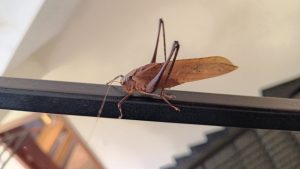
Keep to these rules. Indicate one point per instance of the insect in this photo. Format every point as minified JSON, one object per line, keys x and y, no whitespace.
{"x":150,"y":77}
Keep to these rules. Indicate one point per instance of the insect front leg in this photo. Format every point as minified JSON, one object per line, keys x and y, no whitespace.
{"x":120,"y":104}
{"x":160,"y":26}
{"x":109,"y":85}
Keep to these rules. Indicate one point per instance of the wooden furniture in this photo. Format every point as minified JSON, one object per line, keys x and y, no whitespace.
{"x":47,"y":142}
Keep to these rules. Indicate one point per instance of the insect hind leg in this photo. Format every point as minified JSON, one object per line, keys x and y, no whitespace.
{"x":152,"y":85}
{"x":160,"y":26}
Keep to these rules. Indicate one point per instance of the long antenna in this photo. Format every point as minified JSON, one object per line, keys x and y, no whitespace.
{"x":103,"y":102}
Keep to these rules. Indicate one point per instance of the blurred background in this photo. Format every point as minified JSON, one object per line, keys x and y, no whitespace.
{"x":93,"y":41}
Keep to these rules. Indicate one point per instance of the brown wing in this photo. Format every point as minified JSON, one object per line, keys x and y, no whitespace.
{"x":186,"y":70}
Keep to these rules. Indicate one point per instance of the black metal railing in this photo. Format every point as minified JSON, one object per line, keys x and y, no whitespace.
{"x":196,"y":108}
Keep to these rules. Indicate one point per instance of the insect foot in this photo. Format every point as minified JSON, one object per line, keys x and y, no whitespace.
{"x":120,"y":110}
{"x":176,"y":108}
{"x":169,"y":97}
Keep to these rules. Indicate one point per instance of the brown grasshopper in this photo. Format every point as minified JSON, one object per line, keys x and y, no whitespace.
{"x":150,"y":77}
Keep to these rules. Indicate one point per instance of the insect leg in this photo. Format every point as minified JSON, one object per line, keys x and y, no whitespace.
{"x":159,"y":95}
{"x":162,"y":92}
{"x":160,"y":26}
{"x":164,"y":97}
{"x":151,"y":87}
{"x":167,"y":96}
{"x":103,"y":102}
{"x":120,"y":103}
{"x":176,"y":46}
{"x":167,"y":101}
{"x":150,"y":94}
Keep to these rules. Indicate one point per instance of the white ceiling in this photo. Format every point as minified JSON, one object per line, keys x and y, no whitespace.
{"x":105,"y":38}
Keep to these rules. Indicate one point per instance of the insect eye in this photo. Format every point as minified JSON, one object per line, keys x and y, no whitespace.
{"x":128,"y":78}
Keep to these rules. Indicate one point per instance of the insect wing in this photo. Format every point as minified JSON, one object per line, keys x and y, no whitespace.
{"x":187,"y":70}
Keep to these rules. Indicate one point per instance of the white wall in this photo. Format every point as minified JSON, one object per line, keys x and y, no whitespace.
{"x":15,"y":19}
{"x":48,"y":22}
